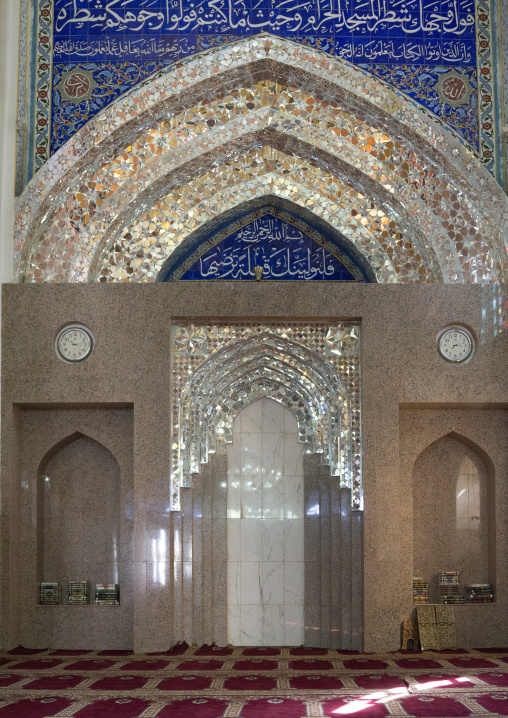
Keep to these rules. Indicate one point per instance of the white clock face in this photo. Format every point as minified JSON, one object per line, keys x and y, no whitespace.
{"x":74,"y":343}
{"x":455,"y":345}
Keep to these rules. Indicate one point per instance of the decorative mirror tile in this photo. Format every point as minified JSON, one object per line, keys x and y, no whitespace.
{"x":312,"y":369}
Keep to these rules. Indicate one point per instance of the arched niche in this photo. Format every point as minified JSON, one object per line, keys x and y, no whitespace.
{"x":78,"y":512}
{"x":318,"y":519}
{"x":453,"y":512}
{"x":263,"y":365}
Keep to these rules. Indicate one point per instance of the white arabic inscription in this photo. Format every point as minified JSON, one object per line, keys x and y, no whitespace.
{"x":282,"y":250}
{"x":322,"y":16}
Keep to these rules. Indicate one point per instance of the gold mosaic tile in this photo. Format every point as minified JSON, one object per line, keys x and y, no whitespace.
{"x":107,"y":177}
{"x":138,"y":254}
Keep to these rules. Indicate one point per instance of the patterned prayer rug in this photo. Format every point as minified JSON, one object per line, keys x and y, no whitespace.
{"x":212,"y":682}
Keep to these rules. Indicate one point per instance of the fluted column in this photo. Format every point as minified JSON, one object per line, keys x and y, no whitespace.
{"x":333,"y":562}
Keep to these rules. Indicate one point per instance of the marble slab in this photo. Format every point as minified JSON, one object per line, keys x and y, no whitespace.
{"x":265,"y":525}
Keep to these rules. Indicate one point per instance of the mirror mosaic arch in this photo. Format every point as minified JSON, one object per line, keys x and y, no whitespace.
{"x":386,"y":194}
{"x":456,"y":197}
{"x":148,"y":234}
{"x":376,"y":231}
{"x":312,"y":369}
{"x":80,"y":266}
{"x":82,"y":224}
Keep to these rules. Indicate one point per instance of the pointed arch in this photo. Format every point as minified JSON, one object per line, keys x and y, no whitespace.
{"x":476,"y":449}
{"x":348,"y":122}
{"x":384,"y":235}
{"x":455,"y":525}
{"x":265,"y":365}
{"x":78,"y":501}
{"x":480,"y":452}
{"x":206,"y":235}
{"x":69,"y":439}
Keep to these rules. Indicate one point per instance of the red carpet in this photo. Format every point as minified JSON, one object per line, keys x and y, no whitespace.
{"x":211,"y":682}
{"x":185,"y":683}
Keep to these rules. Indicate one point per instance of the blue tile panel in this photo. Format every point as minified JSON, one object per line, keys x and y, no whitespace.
{"x":450,"y":93}
{"x":432,"y":50}
{"x":422,"y":32}
{"x":82,"y":89}
{"x":282,"y":245}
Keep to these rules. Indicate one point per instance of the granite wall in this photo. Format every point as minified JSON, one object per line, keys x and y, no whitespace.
{"x":74,"y":490}
{"x":440,"y":438}
{"x":120,"y":398}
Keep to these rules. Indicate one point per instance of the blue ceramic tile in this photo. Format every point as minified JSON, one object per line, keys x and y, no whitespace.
{"x":123,"y":44}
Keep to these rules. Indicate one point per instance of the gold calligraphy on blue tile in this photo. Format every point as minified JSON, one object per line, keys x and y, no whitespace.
{"x":103,"y":48}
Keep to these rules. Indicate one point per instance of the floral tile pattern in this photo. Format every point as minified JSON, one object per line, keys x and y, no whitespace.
{"x":114,"y":69}
{"x":450,"y":93}
{"x":81,"y":90}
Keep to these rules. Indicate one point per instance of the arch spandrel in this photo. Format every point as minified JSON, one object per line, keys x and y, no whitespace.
{"x":424,"y":158}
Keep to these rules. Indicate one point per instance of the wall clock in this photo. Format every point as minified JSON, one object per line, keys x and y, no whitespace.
{"x":455,"y":344}
{"x":74,"y":343}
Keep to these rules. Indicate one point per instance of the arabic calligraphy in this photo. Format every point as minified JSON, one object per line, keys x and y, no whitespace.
{"x":283,"y":251}
{"x":76,"y":85}
{"x":454,"y":89}
{"x":408,"y":51}
{"x":427,"y":19}
{"x":171,"y":47}
{"x":142,"y":47}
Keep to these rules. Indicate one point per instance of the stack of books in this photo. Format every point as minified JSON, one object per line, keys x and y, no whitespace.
{"x":479,"y":593}
{"x":49,"y":593}
{"x":107,"y":594}
{"x":420,"y":590}
{"x":79,"y":593}
{"x":448,"y":588}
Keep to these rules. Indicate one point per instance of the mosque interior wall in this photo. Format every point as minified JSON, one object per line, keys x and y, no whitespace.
{"x":253,"y":462}
{"x":100,"y":432}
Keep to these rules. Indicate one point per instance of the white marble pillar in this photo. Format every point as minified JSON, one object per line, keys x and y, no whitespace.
{"x":265,"y":528}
